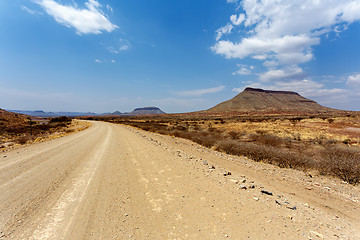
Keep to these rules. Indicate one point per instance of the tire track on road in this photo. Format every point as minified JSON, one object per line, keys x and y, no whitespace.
{"x":58,"y":220}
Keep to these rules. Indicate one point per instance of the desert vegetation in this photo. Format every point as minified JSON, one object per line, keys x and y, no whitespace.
{"x":27,"y":129}
{"x":326,"y":144}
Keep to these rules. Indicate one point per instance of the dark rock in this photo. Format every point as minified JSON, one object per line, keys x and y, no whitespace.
{"x":266,"y":192}
{"x":285,"y":204}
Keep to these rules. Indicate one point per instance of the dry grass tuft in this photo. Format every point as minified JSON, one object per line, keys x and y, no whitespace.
{"x":341,"y":162}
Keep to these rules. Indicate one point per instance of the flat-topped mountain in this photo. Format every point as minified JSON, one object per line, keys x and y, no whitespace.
{"x":146,"y":111}
{"x":254,"y":99}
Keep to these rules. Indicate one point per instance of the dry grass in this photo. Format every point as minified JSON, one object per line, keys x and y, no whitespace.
{"x":28,"y":130}
{"x":301,"y":142}
{"x":342,"y":162}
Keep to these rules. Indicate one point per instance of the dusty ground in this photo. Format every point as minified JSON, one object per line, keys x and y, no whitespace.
{"x":116,"y":182}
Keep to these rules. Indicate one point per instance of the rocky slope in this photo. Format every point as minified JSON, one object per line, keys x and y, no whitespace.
{"x":9,"y":118}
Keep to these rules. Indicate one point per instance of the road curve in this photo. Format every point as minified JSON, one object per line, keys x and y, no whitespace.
{"x":116,"y":182}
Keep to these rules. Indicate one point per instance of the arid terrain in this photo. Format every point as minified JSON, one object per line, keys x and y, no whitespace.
{"x":321,"y":144}
{"x":113,"y":181}
{"x":264,"y":173}
{"x":19,"y":129}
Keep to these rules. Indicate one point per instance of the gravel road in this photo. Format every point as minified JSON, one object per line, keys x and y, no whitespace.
{"x":116,"y":182}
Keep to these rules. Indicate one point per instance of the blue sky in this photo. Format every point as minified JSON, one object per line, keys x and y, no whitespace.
{"x":188,"y":55}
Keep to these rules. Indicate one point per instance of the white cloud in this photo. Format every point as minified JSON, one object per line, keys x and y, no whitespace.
{"x":237,"y":20}
{"x":282,"y":33}
{"x":273,"y":18}
{"x":30,"y":11}
{"x":244,"y":70}
{"x":90,"y":20}
{"x":282,"y":74}
{"x":270,"y":64}
{"x":109,"y":8}
{"x":353,"y":80}
{"x":98,"y":61}
{"x":260,"y":57}
{"x":113,"y":61}
{"x":200,"y":92}
{"x":113,"y":50}
{"x":124,"y":45}
{"x":282,"y":48}
{"x":223,"y":30}
{"x":232,"y":1}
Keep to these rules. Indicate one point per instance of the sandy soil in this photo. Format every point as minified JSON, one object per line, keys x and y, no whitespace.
{"x":116,"y":182}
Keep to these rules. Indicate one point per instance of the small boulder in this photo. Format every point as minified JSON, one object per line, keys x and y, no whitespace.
{"x":266,"y":192}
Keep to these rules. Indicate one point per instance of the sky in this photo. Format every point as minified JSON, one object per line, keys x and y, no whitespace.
{"x":181,"y":56}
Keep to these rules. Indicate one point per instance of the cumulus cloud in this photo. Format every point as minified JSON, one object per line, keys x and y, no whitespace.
{"x":282,"y":33}
{"x":89,"y":20}
{"x":200,"y":92}
{"x":294,"y":48}
{"x":353,"y":80}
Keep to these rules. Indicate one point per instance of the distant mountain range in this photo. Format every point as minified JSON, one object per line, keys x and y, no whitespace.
{"x":135,"y":112}
{"x":259,"y":100}
{"x":40,"y":113}
{"x":251,"y":100}
{"x":139,"y":111}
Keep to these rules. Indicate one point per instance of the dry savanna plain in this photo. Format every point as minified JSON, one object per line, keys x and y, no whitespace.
{"x":186,"y":177}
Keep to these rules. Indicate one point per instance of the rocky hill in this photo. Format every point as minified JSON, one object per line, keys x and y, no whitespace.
{"x":254,"y":99}
{"x":10,"y":118}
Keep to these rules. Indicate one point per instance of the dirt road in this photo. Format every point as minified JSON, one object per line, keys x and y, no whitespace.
{"x":116,"y":182}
